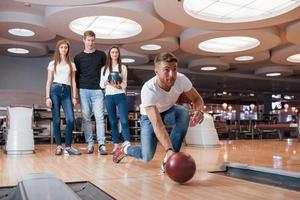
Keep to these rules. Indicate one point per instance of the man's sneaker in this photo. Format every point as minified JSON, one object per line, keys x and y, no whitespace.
{"x":59,"y":150}
{"x":72,"y":151}
{"x":116,"y":146}
{"x":90,"y":149}
{"x":120,"y":153}
{"x":102,"y":150}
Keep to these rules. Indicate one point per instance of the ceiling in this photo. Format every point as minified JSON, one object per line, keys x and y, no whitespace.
{"x":164,"y":22}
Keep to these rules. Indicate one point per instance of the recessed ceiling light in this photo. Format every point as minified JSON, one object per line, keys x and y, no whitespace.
{"x":127,"y":60}
{"x":21,"y":32}
{"x":18,"y":50}
{"x":252,"y":94}
{"x":236,"y":11}
{"x":106,"y":27}
{"x":244,"y":58}
{"x":151,"y":47}
{"x":294,"y":58}
{"x":229,"y":44}
{"x":273,"y":74}
{"x":208,"y":68}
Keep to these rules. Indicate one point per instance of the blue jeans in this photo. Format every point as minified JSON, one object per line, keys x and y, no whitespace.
{"x":92,"y":101}
{"x":60,"y":95}
{"x":113,"y":102}
{"x":177,"y":116}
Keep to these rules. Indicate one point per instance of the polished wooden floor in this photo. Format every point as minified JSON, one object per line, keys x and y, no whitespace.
{"x":132,"y":179}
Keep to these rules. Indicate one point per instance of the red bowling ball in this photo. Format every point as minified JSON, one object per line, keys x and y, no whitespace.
{"x":180,"y":167}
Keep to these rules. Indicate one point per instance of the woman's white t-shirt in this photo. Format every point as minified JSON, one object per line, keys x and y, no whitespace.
{"x":152,"y":94}
{"x":110,"y":90}
{"x":62,"y":74}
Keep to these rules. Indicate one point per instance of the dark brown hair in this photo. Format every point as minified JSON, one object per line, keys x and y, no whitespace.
{"x":109,"y":61}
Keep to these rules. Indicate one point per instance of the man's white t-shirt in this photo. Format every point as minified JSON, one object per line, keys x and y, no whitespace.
{"x":62,"y":74}
{"x":152,"y":94}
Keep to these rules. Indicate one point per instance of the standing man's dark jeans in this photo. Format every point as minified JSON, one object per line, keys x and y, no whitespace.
{"x":60,"y":95}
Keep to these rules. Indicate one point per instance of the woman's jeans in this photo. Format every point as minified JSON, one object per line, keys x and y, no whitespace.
{"x":177,"y":116}
{"x":91,"y":101}
{"x":60,"y":95}
{"x":113,"y":102}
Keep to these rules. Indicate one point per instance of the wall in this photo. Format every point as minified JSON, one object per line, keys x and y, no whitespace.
{"x":23,"y":73}
{"x":22,"y":80}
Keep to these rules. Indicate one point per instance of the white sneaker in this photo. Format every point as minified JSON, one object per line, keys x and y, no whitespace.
{"x":59,"y":150}
{"x":72,"y":151}
{"x":102,"y":150}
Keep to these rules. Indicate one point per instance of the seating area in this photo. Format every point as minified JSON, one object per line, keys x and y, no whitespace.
{"x":256,"y":129}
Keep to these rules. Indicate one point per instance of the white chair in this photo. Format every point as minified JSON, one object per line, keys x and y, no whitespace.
{"x":203,"y":134}
{"x":19,"y":130}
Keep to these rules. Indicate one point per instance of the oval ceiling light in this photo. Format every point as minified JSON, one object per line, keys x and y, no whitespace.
{"x":229,"y":44}
{"x":273,"y":74}
{"x":247,"y":58}
{"x":106,"y":27}
{"x":244,"y":58}
{"x":114,"y":22}
{"x":225,"y":11}
{"x":228,"y":14}
{"x":294,"y":58}
{"x":150,"y":47}
{"x":208,"y":68}
{"x":18,"y":50}
{"x":208,"y":64}
{"x":132,"y":58}
{"x":273,"y":71}
{"x":164,"y":44}
{"x":21,"y":26}
{"x":127,"y":60}
{"x":21,"y":32}
{"x":287,"y":55}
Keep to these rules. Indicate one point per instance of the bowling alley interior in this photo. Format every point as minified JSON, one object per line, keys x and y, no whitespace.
{"x":241,"y":56}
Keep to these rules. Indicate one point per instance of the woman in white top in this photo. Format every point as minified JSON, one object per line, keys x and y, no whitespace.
{"x":115,"y":95}
{"x":60,"y":82}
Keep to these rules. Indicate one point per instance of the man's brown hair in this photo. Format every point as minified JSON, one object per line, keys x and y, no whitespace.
{"x":165,"y":57}
{"x":89,"y":33}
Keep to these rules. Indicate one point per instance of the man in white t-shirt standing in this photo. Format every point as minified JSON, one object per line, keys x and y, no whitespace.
{"x":158,"y":108}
